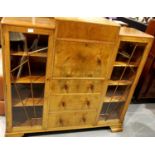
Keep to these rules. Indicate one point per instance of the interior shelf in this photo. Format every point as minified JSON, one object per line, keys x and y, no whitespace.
{"x":27,"y":116}
{"x":30,"y":79}
{"x":132,"y":51}
{"x":114,"y":99}
{"x":27,"y":42}
{"x":29,"y":102}
{"x":23,"y":92}
{"x":117,"y":93}
{"x":123,"y":73}
{"x":110,"y":110}
{"x":120,"y":82}
{"x":22,"y":53}
{"x":31,"y":122}
{"x":124,"y":64}
{"x":30,"y":70}
{"x":117,"y":90}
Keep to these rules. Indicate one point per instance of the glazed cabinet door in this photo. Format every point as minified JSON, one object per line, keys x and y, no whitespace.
{"x":124,"y":75}
{"x":25,"y":62}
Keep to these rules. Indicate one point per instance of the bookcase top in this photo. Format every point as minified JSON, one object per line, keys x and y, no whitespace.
{"x":91,"y":20}
{"x":132,"y":32}
{"x":49,"y":23}
{"x":46,"y":22}
{"x":37,"y":22}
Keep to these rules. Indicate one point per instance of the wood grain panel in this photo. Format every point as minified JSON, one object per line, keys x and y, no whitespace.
{"x":77,"y":102}
{"x":76,"y":59}
{"x":81,"y":30}
{"x":71,"y":119}
{"x":66,"y":86}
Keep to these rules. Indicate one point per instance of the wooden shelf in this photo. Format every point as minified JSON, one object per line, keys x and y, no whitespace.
{"x":37,"y":54}
{"x":30,"y":79}
{"x":124,"y":64}
{"x":114,"y":99}
{"x":112,"y":117}
{"x":120,"y":82}
{"x":101,"y":121}
{"x":29,"y":102}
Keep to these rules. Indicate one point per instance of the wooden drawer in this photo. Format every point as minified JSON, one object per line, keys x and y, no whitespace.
{"x":84,"y":29}
{"x":77,"y":59}
{"x":76,"y":86}
{"x":66,"y":119}
{"x":73,"y":102}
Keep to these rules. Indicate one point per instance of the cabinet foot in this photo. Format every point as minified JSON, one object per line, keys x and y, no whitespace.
{"x":14,"y":134}
{"x":116,"y":128}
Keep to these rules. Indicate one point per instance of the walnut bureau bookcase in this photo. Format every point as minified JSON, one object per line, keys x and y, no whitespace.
{"x":69,"y":73}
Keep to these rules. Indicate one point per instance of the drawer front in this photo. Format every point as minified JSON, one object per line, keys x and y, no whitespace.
{"x":84,"y":30}
{"x":73,"y":102}
{"x":76,"y":86}
{"x":76,"y":59}
{"x":66,"y":119}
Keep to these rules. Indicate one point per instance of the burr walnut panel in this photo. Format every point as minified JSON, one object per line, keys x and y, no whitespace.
{"x":73,"y":102}
{"x":66,"y":86}
{"x":77,"y":59}
{"x":75,"y":118}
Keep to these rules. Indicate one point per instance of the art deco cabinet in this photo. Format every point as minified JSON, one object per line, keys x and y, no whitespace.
{"x":69,"y":73}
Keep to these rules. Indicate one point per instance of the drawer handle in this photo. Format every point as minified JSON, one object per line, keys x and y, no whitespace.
{"x":63,"y":103}
{"x":98,"y":61}
{"x":66,"y":87}
{"x":86,"y":44}
{"x":84,"y":119}
{"x":91,"y":87}
{"x":87,"y":103}
{"x":61,"y":122}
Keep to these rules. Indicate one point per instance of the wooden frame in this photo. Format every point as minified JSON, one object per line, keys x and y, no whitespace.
{"x":75,"y":83}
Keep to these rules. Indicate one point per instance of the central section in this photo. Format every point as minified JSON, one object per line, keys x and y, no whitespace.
{"x":77,"y":59}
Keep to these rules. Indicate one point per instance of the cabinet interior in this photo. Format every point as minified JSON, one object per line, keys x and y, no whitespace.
{"x":111,"y":110}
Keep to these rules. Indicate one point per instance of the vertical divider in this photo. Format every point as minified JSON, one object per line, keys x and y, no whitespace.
{"x":7,"y":79}
{"x":48,"y":77}
{"x":110,"y":68}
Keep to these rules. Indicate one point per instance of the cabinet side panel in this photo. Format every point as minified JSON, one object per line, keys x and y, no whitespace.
{"x":6,"y":73}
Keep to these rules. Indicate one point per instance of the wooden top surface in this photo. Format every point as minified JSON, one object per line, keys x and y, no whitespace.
{"x":92,"y":20}
{"x":49,"y":23}
{"x":38,"y":22}
{"x":132,"y":32}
